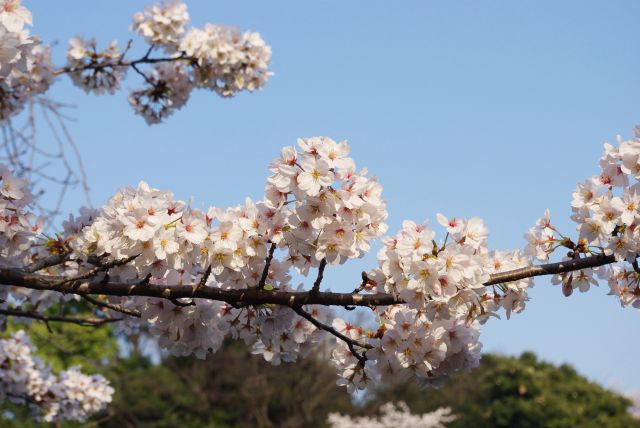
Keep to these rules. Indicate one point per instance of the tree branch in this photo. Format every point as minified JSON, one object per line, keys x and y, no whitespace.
{"x":48,"y":262}
{"x":112,"y":306}
{"x":351,"y":343}
{"x":267,"y":263}
{"x":133,"y":63}
{"x":88,"y":322}
{"x":93,"y":272}
{"x":256,"y":296}
{"x":246,"y":296}
{"x":318,"y":281}
{"x":551,"y":269}
{"x":205,"y":277}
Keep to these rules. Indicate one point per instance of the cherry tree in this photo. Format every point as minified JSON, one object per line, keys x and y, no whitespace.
{"x":190,"y":278}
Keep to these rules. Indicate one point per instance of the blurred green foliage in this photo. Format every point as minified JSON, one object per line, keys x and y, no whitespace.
{"x":63,"y":345}
{"x":233,"y":388}
{"x":519,"y":392}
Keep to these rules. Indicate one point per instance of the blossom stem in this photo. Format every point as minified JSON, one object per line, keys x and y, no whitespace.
{"x":318,"y":281}
{"x":133,"y":63}
{"x":87,"y":322}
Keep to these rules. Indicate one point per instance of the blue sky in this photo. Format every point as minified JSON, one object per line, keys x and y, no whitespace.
{"x":471,"y":108}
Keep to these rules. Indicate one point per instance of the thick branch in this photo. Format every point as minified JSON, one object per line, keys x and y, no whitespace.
{"x":256,"y":296}
{"x":550,"y":269}
{"x":247,"y":296}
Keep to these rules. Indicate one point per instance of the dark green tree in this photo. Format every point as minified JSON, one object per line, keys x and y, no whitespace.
{"x":231,"y":388}
{"x":514,"y":392}
{"x":62,"y":346}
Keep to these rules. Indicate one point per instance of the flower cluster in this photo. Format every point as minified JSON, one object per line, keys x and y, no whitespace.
{"x":162,"y":25}
{"x":406,"y":346}
{"x":24,"y":379}
{"x":333,"y":211}
{"x":92,"y":70}
{"x":214,"y":57}
{"x":414,"y":347}
{"x":185,"y":330}
{"x":45,"y":246}
{"x":606,"y":209}
{"x":279,"y":335}
{"x":313,"y":216}
{"x":435,"y":334}
{"x":168,"y":90}
{"x":25,"y":65}
{"x":394,"y":416}
{"x":18,"y":227}
{"x":446,"y":279}
{"x":319,"y":210}
{"x":21,"y":243}
{"x":227,"y":60}
{"x":217,"y":57}
{"x":624,"y":283}
{"x":158,"y":235}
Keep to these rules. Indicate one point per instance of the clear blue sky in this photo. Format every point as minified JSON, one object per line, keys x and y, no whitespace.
{"x":471,"y":108}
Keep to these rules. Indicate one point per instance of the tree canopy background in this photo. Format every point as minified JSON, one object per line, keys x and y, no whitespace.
{"x":233,"y":388}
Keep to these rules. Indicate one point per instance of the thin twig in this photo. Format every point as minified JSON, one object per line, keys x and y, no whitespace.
{"x":106,"y":64}
{"x":144,"y":76}
{"x":318,"y":281}
{"x":205,"y":277}
{"x":93,"y":272}
{"x":351,"y":343}
{"x":49,"y":261}
{"x":87,"y":322}
{"x":182,"y":304}
{"x":112,"y":306}
{"x":267,"y":264}
{"x":363,"y":284}
{"x":55,"y":109}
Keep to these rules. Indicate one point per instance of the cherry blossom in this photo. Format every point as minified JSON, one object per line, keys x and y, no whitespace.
{"x":162,"y":24}
{"x":318,"y":211}
{"x":13,"y":16}
{"x":216,"y":57}
{"x":605,"y":209}
{"x":25,"y":379}
{"x":394,"y":416}
{"x":191,"y":278}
